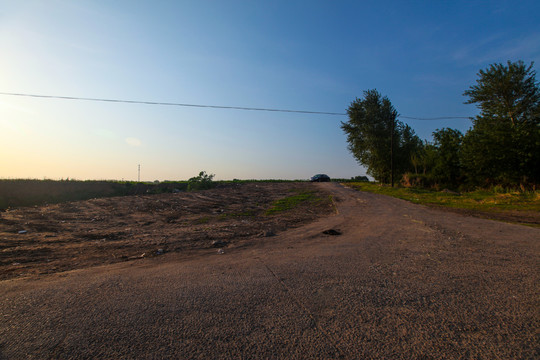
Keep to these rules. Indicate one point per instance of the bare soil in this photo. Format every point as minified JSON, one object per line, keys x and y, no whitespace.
{"x":401,"y":281}
{"x":74,"y":235}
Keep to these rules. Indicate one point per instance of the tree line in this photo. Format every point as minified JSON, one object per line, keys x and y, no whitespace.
{"x":502,"y":147}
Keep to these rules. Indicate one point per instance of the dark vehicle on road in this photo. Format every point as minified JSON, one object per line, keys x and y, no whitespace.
{"x":320,"y":178}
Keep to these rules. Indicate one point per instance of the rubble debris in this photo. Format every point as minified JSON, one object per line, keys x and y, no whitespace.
{"x":219,"y":243}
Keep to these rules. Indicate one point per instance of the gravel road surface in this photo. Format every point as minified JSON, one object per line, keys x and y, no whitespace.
{"x":402,"y":281}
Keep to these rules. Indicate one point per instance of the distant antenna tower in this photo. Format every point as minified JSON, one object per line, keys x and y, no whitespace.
{"x":139,"y":176}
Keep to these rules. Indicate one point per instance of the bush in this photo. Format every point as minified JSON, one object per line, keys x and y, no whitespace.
{"x":201,"y":182}
{"x":418,"y":181}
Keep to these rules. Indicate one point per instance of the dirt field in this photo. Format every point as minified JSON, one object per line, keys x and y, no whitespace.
{"x":402,"y":281}
{"x":55,"y":238}
{"x":80,"y":234}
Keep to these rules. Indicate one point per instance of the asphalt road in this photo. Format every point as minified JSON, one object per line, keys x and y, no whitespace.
{"x":401,"y":282}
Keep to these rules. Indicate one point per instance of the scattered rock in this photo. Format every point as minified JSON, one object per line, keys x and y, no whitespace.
{"x":160,"y":252}
{"x":219,"y":243}
{"x":331,"y":232}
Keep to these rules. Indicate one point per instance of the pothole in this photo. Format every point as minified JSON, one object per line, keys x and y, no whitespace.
{"x":331,"y":232}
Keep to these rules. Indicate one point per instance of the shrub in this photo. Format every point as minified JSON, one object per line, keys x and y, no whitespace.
{"x":201,"y":182}
{"x":418,"y":181}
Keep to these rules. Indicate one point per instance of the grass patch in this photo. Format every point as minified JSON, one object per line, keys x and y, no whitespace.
{"x":482,"y":200}
{"x":293,"y":201}
{"x":202,"y":220}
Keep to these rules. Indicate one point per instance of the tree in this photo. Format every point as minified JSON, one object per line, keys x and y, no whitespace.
{"x":201,"y":182}
{"x":409,"y":145}
{"x":507,"y":93}
{"x":447,"y":166}
{"x":372,"y":131}
{"x":424,"y":157}
{"x":503,"y":146}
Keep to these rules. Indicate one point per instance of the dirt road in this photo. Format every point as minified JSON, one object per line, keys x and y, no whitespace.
{"x":401,"y":282}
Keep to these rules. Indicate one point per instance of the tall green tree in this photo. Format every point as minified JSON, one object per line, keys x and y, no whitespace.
{"x":503,"y":146}
{"x":373,"y":132}
{"x":447,"y":165}
{"x":507,"y":93}
{"x":409,"y":146}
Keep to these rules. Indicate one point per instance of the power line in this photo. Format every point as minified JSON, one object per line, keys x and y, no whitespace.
{"x":208,"y":106}
{"x":435,"y":118}
{"x":172,"y":104}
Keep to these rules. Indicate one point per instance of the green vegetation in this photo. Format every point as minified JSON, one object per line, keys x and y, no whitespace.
{"x":24,"y":192}
{"x":246,"y":181}
{"x":503,"y":145}
{"x":30,"y":192}
{"x":203,"y":220}
{"x":293,"y":201}
{"x":501,"y":148}
{"x":201,"y":182}
{"x":375,"y":137}
{"x":496,"y":199}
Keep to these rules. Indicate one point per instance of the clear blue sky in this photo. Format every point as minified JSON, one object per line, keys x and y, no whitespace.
{"x":305,"y":55}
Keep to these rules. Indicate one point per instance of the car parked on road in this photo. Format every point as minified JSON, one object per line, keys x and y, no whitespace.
{"x":320,"y":178}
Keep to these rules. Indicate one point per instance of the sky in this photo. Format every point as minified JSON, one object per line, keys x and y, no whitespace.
{"x":298,"y":55}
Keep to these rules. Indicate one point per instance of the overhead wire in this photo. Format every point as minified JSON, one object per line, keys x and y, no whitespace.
{"x":208,"y":106}
{"x":435,"y":118}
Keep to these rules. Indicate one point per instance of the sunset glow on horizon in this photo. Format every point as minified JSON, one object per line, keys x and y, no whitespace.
{"x":316,"y":56}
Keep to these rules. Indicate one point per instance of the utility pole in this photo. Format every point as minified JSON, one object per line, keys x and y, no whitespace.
{"x":392,"y":151}
{"x":139,"y":176}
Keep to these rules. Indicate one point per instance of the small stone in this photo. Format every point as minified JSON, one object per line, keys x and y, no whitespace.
{"x":221,"y":251}
{"x":23,"y":232}
{"x":219,"y":243}
{"x":331,"y":232}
